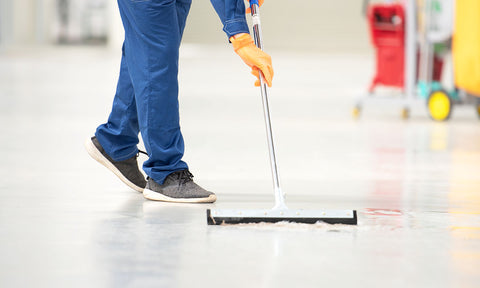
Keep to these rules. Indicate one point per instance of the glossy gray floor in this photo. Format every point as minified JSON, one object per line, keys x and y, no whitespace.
{"x":65,"y":221}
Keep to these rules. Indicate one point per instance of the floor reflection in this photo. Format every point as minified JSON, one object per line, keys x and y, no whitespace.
{"x":464,"y":199}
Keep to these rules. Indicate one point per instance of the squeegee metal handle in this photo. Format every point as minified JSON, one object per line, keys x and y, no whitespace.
{"x":257,"y":36}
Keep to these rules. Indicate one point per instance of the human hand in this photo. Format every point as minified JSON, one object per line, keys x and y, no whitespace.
{"x":253,"y":57}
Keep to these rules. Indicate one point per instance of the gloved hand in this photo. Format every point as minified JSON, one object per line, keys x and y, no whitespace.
{"x":253,"y":57}
{"x":248,"y":11}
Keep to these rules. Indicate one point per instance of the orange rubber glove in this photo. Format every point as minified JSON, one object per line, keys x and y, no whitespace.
{"x":253,"y":57}
{"x":260,"y":3}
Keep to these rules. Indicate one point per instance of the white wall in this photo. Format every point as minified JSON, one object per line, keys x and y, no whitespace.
{"x":17,"y":20}
{"x":314,"y":25}
{"x":323,"y":25}
{"x":25,"y":22}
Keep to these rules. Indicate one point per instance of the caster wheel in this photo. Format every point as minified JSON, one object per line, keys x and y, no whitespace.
{"x":405,"y":113}
{"x":440,"y":105}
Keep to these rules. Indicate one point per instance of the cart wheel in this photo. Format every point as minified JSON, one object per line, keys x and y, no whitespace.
{"x":439,"y":105}
{"x":405,"y":113}
{"x":356,"y":112}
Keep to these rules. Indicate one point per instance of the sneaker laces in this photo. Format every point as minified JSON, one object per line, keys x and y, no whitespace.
{"x":184,"y":176}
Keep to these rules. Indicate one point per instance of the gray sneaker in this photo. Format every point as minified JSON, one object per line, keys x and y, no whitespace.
{"x":126,"y":170}
{"x":178,"y":187}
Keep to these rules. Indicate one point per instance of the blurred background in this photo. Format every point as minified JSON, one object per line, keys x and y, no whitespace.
{"x":322,"y":26}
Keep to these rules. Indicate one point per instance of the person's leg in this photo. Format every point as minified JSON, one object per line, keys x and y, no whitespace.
{"x":119,"y":136}
{"x":115,"y":142}
{"x":183,"y":8}
{"x":156,"y":91}
{"x":152,"y":40}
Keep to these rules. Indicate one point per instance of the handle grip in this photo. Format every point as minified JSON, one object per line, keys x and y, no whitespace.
{"x":257,"y":30}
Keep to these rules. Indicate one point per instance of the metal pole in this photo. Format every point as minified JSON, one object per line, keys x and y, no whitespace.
{"x":410,"y":50}
{"x":257,"y":36}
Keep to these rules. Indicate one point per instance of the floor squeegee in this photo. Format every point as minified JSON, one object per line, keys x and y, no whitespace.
{"x":280,"y":212}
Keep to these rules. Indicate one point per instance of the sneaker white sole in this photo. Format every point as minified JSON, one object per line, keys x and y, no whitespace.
{"x":97,"y":155}
{"x":152,"y":195}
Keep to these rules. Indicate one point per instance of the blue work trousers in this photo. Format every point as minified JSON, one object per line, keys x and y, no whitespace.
{"x":146,"y":98}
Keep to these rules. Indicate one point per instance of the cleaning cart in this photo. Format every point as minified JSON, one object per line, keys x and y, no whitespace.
{"x":411,"y":39}
{"x":392,"y":28}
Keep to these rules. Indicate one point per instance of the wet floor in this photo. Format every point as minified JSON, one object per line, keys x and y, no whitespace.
{"x":65,"y":221}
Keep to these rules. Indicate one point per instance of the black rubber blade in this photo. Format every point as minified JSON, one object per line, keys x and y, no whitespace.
{"x":219,"y":217}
